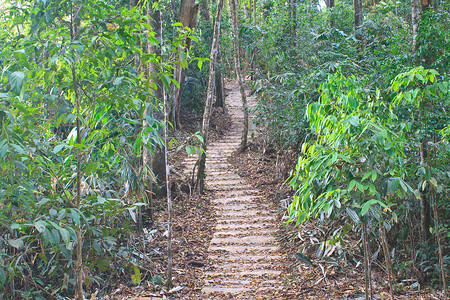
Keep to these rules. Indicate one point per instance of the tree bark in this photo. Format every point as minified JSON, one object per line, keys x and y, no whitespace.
{"x":188,"y":17}
{"x":254,"y":12}
{"x":387,"y":258}
{"x":219,"y":87}
{"x":294,"y":23}
{"x":367,"y":271}
{"x":415,"y":21}
{"x":209,"y":98}
{"x":358,"y":24}
{"x":424,"y":201}
{"x":169,"y":197}
{"x":155,"y":161}
{"x":237,"y":67}
{"x":330,"y":4}
{"x":77,"y":206}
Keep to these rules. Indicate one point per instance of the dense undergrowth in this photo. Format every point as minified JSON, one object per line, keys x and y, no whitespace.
{"x":368,"y":118}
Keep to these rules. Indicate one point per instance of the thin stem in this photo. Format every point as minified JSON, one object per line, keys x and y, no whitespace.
{"x":169,"y":196}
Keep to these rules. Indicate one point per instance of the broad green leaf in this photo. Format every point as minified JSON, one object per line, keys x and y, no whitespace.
{"x":58,"y":148}
{"x":22,"y":58}
{"x":65,"y":234}
{"x":75,"y":216}
{"x":40,"y":226}
{"x":354,"y":121}
{"x":16,"y":80}
{"x":365,"y":207}
{"x":2,"y":276}
{"x":353,"y":215}
{"x":433,"y":181}
{"x":367,"y":175}
{"x":16,"y":243}
{"x":351,"y":185}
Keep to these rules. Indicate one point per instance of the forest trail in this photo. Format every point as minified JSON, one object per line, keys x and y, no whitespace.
{"x":243,"y":252}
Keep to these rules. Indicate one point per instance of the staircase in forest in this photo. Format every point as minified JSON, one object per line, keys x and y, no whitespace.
{"x":243,"y":252}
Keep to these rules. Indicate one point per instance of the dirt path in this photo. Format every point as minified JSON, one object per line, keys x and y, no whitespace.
{"x":243,"y":253}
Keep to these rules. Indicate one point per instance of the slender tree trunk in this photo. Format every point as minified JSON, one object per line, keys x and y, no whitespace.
{"x":209,"y":97}
{"x":169,"y":196}
{"x":424,"y":192}
{"x":415,"y":21}
{"x":367,"y":278}
{"x":244,"y":9}
{"x":77,"y":206}
{"x":237,"y":67}
{"x":290,"y":13}
{"x":254,"y":12}
{"x":219,"y":86}
{"x":387,"y":258}
{"x":438,"y":238}
{"x":330,"y":4}
{"x":157,"y":159}
{"x":358,"y":24}
{"x":294,"y":23}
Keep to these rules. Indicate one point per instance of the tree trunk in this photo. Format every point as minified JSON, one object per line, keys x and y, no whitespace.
{"x":330,"y":4}
{"x":438,"y":238}
{"x":77,"y":204}
{"x":424,"y":201}
{"x":254,"y":12}
{"x":367,"y":271}
{"x":188,"y":17}
{"x":209,"y":98}
{"x":237,"y":67}
{"x":387,"y":258}
{"x":155,"y":161}
{"x":169,"y":196}
{"x":219,"y":87}
{"x":358,"y":24}
{"x":294,"y":23}
{"x":415,"y":21}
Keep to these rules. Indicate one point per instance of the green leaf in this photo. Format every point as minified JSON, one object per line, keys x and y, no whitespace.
{"x":351,"y":185}
{"x":303,"y":258}
{"x":16,"y":80}
{"x":2,"y":276}
{"x":365,"y":207}
{"x":433,"y":181}
{"x":354,"y":121}
{"x":353,"y":215}
{"x":16,"y":243}
{"x":165,"y":80}
{"x":118,"y":81}
{"x":22,"y":58}
{"x":367,"y":175}
{"x":75,"y":216}
{"x":58,"y":148}
{"x":347,"y":159}
{"x":65,"y":234}
{"x":40,"y":226}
